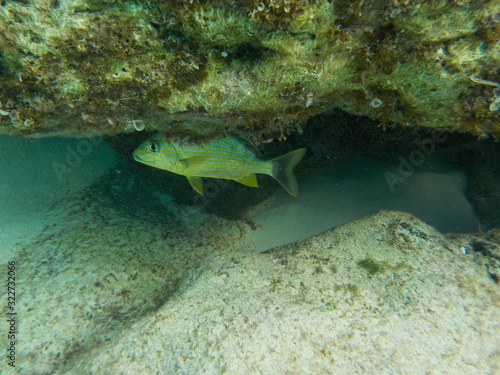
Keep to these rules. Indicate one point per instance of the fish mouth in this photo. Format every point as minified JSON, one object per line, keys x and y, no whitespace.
{"x":136,"y":158}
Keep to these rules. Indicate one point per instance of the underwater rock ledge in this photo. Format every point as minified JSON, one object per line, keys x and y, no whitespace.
{"x":88,"y":67}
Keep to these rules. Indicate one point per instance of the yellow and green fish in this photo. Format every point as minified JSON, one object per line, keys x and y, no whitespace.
{"x":232,"y":158}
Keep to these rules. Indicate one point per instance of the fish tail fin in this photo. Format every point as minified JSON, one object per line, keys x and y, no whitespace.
{"x":283,"y":170}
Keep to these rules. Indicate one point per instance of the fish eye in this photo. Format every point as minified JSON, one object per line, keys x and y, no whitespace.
{"x":153,"y":146}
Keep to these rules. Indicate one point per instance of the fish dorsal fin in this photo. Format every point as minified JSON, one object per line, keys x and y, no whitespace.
{"x":245,"y":142}
{"x":249,"y":180}
{"x":196,"y":183}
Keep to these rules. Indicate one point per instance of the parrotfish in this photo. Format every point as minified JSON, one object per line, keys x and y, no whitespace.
{"x":233,"y":158}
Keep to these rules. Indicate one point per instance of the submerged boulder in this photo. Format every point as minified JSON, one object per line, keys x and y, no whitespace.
{"x":382,"y":294}
{"x":255,"y":67}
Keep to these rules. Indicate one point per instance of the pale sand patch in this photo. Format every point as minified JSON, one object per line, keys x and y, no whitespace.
{"x":357,"y":188}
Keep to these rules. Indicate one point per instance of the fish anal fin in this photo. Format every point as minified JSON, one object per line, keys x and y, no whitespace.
{"x":196,"y":183}
{"x":249,"y":180}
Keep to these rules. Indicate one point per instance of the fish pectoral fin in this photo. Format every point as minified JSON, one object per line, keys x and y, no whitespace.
{"x":249,"y":180}
{"x":196,"y":183}
{"x":192,"y":162}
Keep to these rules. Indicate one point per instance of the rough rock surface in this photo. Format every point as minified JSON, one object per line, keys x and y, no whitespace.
{"x":484,"y":249}
{"x":106,"y":258}
{"x":386,"y":294}
{"x":247,"y":66}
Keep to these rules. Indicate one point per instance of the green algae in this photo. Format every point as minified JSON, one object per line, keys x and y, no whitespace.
{"x":372,"y":266}
{"x":353,"y":289}
{"x":318,"y":270}
{"x":275,"y":284}
{"x":253,"y":67}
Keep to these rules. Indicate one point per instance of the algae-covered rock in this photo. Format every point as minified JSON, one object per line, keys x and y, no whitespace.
{"x":248,"y":66}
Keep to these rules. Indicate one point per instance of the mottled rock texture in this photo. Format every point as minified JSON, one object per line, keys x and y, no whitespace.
{"x":250,"y":67}
{"x":385,"y":294}
{"x":106,"y":259}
